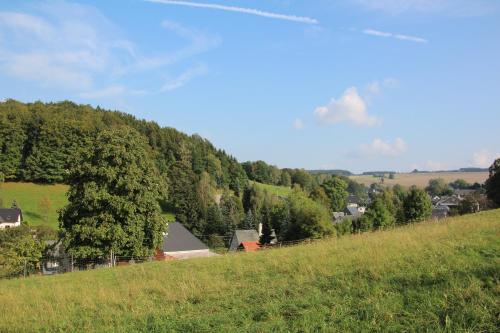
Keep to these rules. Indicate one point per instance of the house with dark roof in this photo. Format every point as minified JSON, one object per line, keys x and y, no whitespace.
{"x":240,"y":236}
{"x":179,"y":243}
{"x":10,"y":217}
{"x":353,"y":213}
{"x":440,"y":212}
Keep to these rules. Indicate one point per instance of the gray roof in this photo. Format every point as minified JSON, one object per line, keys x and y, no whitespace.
{"x":10,"y":215}
{"x":179,"y":238}
{"x":440,"y":212}
{"x":246,"y":236}
{"x":352,"y":211}
{"x":353,"y":199}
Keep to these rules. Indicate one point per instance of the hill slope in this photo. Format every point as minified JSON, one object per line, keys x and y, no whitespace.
{"x":29,"y":195}
{"x":430,"y":276}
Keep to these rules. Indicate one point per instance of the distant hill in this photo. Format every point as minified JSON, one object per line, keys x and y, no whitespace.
{"x":338,"y":172}
{"x":431,"y":276}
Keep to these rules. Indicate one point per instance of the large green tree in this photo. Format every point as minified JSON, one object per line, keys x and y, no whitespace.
{"x":417,"y":205}
{"x":336,"y":189}
{"x":113,"y":198}
{"x":493,"y":183}
{"x":439,"y":186}
{"x":379,"y":215}
{"x":307,"y":218}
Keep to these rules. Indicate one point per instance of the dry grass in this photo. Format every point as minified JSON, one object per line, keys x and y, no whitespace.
{"x":427,"y":277}
{"x":422,"y":179}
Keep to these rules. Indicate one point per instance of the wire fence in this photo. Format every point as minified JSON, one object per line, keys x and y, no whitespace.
{"x":65,"y":263}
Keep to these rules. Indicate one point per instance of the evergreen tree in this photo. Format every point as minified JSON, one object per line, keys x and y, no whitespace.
{"x":113,"y":199}
{"x":266,"y":237}
{"x":248,"y":222}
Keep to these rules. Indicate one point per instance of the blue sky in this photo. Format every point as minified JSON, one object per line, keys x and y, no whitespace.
{"x":351,"y":84}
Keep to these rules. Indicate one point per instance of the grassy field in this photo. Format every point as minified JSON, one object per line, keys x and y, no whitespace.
{"x":29,"y":195}
{"x":431,"y":276}
{"x":274,"y":189}
{"x":422,"y":179}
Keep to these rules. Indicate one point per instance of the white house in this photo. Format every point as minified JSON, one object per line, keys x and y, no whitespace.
{"x":10,"y":217}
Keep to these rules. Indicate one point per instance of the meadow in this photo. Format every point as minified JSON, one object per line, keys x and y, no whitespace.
{"x":433,"y":276}
{"x":282,"y":191}
{"x":29,"y":195}
{"x":422,"y":179}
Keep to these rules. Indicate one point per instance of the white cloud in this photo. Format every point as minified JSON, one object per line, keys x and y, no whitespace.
{"x":75,"y":48}
{"x":376,"y":87}
{"x":377,"y":33}
{"x":484,"y":158}
{"x":350,"y":107}
{"x":250,"y":11}
{"x":184,"y":78}
{"x":380,"y":147}
{"x":298,"y":124}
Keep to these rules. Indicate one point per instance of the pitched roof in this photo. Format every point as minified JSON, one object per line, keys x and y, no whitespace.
{"x":10,"y":215}
{"x":179,"y":238}
{"x":246,"y":236}
{"x":353,"y":199}
{"x":352,"y":211}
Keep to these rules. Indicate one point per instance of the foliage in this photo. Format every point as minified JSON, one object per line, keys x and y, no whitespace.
{"x":439,"y":187}
{"x":344,"y":227}
{"x":378,"y":215}
{"x":336,"y":190}
{"x":113,"y":198}
{"x":29,"y":195}
{"x":308,"y":219}
{"x":20,"y":251}
{"x":460,"y":184}
{"x":417,"y":205}
{"x":493,"y":183}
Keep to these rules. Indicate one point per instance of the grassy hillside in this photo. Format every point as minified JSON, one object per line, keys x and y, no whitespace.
{"x":422,"y":179}
{"x":29,"y":195}
{"x":426,"y":277}
{"x":274,"y":189}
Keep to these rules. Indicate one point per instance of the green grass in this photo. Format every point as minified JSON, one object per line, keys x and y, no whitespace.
{"x":282,"y":191}
{"x":28,"y":196}
{"x":430,"y":277}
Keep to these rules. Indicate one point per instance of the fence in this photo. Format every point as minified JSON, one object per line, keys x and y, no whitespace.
{"x":66,"y":263}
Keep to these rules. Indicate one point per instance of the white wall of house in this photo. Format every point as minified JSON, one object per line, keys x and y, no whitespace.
{"x":5,"y":225}
{"x":190,"y":254}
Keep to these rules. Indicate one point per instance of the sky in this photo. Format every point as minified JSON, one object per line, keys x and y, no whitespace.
{"x":320,"y":84}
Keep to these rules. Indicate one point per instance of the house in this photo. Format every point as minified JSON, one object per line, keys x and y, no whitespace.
{"x":179,"y":243}
{"x":243,"y":236}
{"x":440,"y":212}
{"x":353,"y":201}
{"x":461,"y":194}
{"x":55,"y":260}
{"x":10,"y":217}
{"x":251,"y":236}
{"x":353,"y":213}
{"x":449,"y":201}
{"x":249,"y":246}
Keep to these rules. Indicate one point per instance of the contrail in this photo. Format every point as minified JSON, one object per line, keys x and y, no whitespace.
{"x":250,"y":11}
